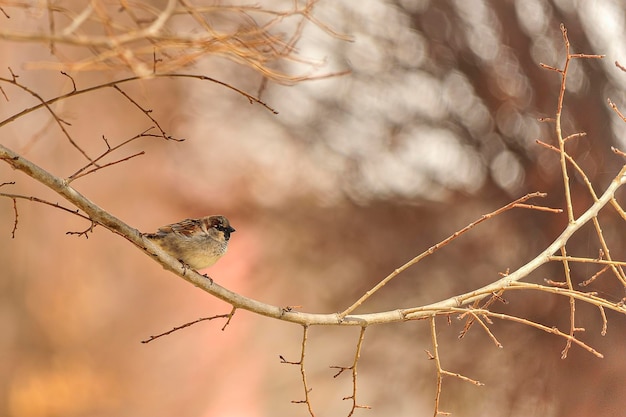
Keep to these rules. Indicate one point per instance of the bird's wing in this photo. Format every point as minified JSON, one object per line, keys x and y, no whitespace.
{"x":187,"y":227}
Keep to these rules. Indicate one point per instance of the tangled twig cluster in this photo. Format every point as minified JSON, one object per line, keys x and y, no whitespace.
{"x":146,"y":39}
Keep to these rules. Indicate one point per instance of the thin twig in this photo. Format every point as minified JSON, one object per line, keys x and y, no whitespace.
{"x":183,"y":326}
{"x":43,"y":103}
{"x":586,"y":260}
{"x":594,"y":276}
{"x":230,"y":317}
{"x":435,"y":358}
{"x":604,"y":321}
{"x":494,"y":297}
{"x":353,"y":368}
{"x":572,"y":303}
{"x":616,"y":110}
{"x":252,"y":99}
{"x":110,"y":150}
{"x":486,"y":329}
{"x":559,"y":134}
{"x":618,"y":272}
{"x":16,"y":217}
{"x":99,"y":167}
{"x":435,"y":248}
{"x":559,"y":111}
{"x":440,"y":371}
{"x":589,"y":298}
{"x":307,"y":390}
{"x":551,"y":330}
{"x":51,"y":26}
{"x":39,"y":200}
{"x":146,"y":112}
{"x":539,"y":208}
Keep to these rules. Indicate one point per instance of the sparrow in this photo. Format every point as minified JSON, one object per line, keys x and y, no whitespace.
{"x":197,"y":243}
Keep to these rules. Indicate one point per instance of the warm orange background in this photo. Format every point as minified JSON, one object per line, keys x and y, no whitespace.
{"x":434,"y":127}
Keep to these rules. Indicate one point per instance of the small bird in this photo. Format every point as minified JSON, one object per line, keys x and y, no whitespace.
{"x":197,"y":243}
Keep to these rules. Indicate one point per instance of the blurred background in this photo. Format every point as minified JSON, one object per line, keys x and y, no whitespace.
{"x":435,"y":125}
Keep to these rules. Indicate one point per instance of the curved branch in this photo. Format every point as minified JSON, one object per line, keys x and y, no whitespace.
{"x":251,"y":99}
{"x":100,"y":216}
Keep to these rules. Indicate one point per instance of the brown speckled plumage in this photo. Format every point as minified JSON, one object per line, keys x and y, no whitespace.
{"x":198,"y":243}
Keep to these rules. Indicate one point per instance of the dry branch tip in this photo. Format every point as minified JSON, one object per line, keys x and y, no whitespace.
{"x":183,"y":326}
